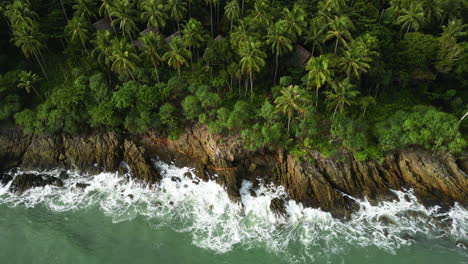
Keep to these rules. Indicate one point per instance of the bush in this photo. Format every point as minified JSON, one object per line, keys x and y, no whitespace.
{"x":423,"y":126}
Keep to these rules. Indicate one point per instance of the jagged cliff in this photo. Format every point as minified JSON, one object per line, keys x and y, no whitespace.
{"x":323,"y":183}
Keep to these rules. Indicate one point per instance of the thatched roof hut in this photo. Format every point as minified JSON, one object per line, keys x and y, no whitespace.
{"x":169,"y":39}
{"x":103,"y":24}
{"x":302,"y":54}
{"x":219,"y":38}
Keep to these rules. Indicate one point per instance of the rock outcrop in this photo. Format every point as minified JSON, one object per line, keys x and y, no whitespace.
{"x":92,"y":153}
{"x":321,"y":183}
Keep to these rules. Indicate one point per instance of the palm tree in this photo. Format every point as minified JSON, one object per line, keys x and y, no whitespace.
{"x":291,"y":100}
{"x":125,"y":17}
{"x":177,"y":10}
{"x":193,"y":34}
{"x":341,"y":94}
{"x":252,"y":59}
{"x":27,"y":79}
{"x":319,"y":73}
{"x":240,"y":34}
{"x":30,"y":43}
{"x":84,"y":8}
{"x":178,"y":55}
{"x":294,"y":21}
{"x":77,"y":29}
{"x":315,"y":34}
{"x":354,"y":62}
{"x":454,"y":28}
{"x":20,"y":15}
{"x":63,"y":9}
{"x":123,"y":59}
{"x":153,"y":48}
{"x":413,"y":17}
{"x":232,"y":11}
{"x":211,"y":3}
{"x":102,"y":45}
{"x":339,"y":30}
{"x":106,"y":9}
{"x":261,"y":12}
{"x":154,"y":14}
{"x":280,"y":44}
{"x":332,"y":6}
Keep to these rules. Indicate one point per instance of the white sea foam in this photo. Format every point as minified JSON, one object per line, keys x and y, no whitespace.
{"x":204,"y":210}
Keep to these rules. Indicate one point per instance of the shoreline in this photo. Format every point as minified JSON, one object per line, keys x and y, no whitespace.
{"x":317,"y":183}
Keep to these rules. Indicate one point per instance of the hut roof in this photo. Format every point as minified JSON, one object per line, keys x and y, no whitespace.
{"x":169,"y":39}
{"x":219,"y":38}
{"x":103,"y":24}
{"x":302,"y":54}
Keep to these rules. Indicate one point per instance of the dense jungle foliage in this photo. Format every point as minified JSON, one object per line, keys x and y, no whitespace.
{"x":323,"y":76}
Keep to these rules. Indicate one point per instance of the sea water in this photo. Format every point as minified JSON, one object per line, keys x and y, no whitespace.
{"x":187,"y":220}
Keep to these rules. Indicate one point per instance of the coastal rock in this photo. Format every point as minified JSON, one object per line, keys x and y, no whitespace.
{"x":329,"y":184}
{"x":26,"y":181}
{"x":277,"y":206}
{"x":140,"y":167}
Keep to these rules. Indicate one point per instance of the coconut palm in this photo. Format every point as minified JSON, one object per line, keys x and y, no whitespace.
{"x":30,"y":44}
{"x":339,"y":30}
{"x":27,"y":79}
{"x":102,"y":50}
{"x":294,"y":21}
{"x":177,"y":10}
{"x":211,"y":3}
{"x":291,"y":100}
{"x":153,"y":48}
{"x":341,"y":94}
{"x":280,"y":44}
{"x":454,"y":28}
{"x":319,"y":73}
{"x":315,"y":34}
{"x":84,"y":8}
{"x":178,"y":55}
{"x":232,"y":11}
{"x":20,"y":15}
{"x":123,"y":58}
{"x":252,"y":59}
{"x":261,"y":12}
{"x":354,"y":62}
{"x":193,"y":34}
{"x":153,"y":13}
{"x":412,"y":18}
{"x":240,"y":34}
{"x":106,"y":9}
{"x":125,"y":17}
{"x":78,"y":30}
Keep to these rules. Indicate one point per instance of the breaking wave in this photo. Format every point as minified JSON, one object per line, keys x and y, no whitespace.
{"x":186,"y":204}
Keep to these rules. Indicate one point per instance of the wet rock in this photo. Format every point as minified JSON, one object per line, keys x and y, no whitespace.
{"x":185,"y":186}
{"x":140,"y":167}
{"x":81,"y":185}
{"x":24,"y":182}
{"x":130,"y":196}
{"x":252,"y":192}
{"x":196,"y":182}
{"x":188,"y":174}
{"x":5,"y":178}
{"x":277,"y":206}
{"x":175,"y":179}
{"x":63,"y":175}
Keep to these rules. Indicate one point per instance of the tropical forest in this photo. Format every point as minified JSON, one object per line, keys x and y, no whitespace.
{"x":308,"y":76}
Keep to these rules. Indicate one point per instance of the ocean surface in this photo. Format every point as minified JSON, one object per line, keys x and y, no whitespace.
{"x":184,"y":220}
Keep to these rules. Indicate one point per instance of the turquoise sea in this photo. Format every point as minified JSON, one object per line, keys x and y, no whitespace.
{"x":114,"y":220}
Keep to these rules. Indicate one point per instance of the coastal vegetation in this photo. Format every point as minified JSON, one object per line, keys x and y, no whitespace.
{"x":322,"y":75}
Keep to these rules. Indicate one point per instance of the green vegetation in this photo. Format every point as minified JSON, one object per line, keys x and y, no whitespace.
{"x":305,"y":75}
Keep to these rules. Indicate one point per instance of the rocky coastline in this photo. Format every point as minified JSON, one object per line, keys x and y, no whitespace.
{"x":327,"y":184}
